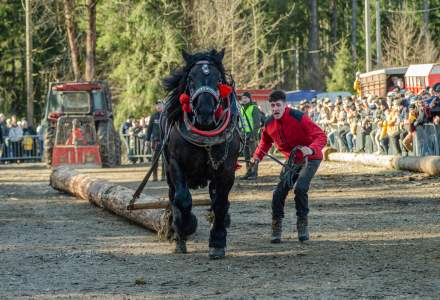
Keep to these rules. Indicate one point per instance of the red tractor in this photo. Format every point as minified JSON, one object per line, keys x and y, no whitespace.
{"x":80,"y":128}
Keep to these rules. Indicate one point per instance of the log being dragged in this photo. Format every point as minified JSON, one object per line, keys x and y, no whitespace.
{"x":112,"y":197}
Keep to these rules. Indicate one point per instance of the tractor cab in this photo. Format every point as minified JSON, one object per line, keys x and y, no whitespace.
{"x":90,"y":103}
{"x":76,"y":142}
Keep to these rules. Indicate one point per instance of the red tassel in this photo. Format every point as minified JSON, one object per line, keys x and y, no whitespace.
{"x":218,"y":112}
{"x":224,"y":90}
{"x":184,"y":101}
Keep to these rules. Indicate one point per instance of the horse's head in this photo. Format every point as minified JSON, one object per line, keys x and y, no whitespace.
{"x":205,"y":74}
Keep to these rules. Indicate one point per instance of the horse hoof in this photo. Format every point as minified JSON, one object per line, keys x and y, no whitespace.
{"x":216,"y":253}
{"x":192,"y":225}
{"x":180,"y":247}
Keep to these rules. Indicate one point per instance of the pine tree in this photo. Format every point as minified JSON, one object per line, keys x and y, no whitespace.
{"x":341,"y":75}
{"x":144,"y":51}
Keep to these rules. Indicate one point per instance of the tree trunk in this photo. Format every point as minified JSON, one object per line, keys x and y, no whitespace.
{"x":107,"y":195}
{"x":425,"y":16}
{"x":354,"y":29}
{"x":316,"y":78}
{"x":334,"y":23}
{"x":297,"y":65}
{"x":256,"y":44}
{"x":69,"y":6}
{"x":29,"y":79}
{"x":367,"y":36}
{"x":378,"y":37}
{"x":91,"y":40}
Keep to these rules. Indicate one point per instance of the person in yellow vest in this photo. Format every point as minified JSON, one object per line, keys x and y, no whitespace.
{"x":251,"y":125}
{"x":357,"y":84}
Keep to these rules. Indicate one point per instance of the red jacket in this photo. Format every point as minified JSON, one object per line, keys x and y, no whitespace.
{"x":293,"y":129}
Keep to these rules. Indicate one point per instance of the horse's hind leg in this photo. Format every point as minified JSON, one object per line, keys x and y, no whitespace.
{"x":220,"y":206}
{"x":184,"y":222}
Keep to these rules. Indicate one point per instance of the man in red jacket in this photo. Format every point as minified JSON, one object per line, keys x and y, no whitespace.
{"x":289,"y":128}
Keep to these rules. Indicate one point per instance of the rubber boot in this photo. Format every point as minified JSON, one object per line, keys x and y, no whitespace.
{"x":253,"y":174}
{"x":277,"y":229}
{"x":248,"y":172}
{"x":301,"y":226}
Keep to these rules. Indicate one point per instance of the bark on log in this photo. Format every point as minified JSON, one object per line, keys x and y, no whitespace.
{"x":425,"y":164}
{"x":110,"y":196}
{"x":383,"y":161}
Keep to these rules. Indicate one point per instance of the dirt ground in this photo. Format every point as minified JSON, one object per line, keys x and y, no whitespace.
{"x":374,"y":234}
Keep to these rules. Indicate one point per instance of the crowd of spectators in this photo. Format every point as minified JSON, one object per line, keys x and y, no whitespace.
{"x":19,"y":140}
{"x":134,"y":132}
{"x":390,"y":123}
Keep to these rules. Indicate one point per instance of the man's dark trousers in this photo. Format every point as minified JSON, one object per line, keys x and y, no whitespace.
{"x":301,"y":190}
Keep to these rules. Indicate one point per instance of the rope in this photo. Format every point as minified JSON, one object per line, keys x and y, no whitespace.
{"x":291,"y":170}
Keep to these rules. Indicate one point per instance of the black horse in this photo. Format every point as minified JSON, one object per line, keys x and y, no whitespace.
{"x":201,"y":144}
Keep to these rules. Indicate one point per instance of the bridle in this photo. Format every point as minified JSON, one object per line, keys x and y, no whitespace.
{"x":204,"y":89}
{"x":222,"y":96}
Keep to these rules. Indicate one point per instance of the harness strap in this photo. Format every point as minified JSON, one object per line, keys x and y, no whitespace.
{"x":150,"y":171}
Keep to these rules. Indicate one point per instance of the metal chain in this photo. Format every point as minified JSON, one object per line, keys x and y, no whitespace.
{"x":216,"y":164}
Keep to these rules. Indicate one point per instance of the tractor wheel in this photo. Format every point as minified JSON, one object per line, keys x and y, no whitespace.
{"x":108,"y":145}
{"x":49,"y":141}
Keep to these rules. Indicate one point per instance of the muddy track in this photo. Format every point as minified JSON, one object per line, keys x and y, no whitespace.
{"x":375,"y":234}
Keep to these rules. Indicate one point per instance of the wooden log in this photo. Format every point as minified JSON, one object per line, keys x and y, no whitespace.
{"x":425,"y":164}
{"x":383,"y":161}
{"x":111,"y":197}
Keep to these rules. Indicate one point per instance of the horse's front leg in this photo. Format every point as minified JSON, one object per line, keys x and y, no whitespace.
{"x":184,"y":222}
{"x":220,"y":206}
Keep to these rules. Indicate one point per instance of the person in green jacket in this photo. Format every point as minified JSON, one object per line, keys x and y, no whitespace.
{"x":251,"y":126}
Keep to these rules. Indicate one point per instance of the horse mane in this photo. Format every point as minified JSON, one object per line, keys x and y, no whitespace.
{"x":175,"y":84}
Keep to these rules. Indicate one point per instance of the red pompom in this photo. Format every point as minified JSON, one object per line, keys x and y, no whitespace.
{"x":224,"y":90}
{"x":218,"y":112}
{"x":184,"y":101}
{"x":237,"y":166}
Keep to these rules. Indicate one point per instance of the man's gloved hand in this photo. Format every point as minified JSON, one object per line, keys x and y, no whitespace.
{"x":306,"y":151}
{"x":254,"y":161}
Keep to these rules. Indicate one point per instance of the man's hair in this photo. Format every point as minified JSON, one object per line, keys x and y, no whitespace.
{"x":247,"y":94}
{"x":277,"y":95}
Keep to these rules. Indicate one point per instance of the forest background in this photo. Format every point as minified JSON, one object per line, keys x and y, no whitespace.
{"x":302,"y":44}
